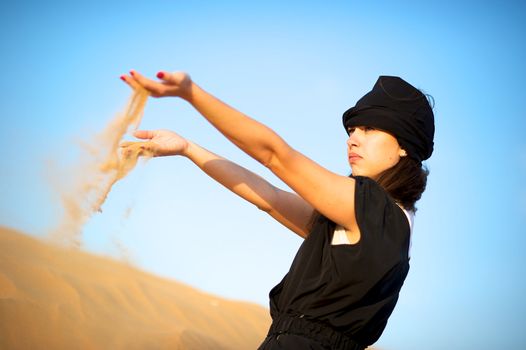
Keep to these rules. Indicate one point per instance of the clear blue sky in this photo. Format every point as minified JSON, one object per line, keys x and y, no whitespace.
{"x":295,"y":66}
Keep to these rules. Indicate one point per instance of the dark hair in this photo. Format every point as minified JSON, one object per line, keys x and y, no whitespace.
{"x":404,"y":182}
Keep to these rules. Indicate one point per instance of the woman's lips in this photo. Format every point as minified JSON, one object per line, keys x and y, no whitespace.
{"x":353,"y":157}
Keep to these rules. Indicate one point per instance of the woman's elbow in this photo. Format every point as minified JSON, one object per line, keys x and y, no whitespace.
{"x":265,"y":207}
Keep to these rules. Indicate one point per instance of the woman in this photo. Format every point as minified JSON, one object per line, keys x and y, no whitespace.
{"x":345,"y":279}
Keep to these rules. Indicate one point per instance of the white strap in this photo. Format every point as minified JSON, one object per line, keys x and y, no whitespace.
{"x":339,"y":236}
{"x":410,"y":218}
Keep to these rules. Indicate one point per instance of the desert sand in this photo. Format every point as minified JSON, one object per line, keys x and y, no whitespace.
{"x":58,"y":298}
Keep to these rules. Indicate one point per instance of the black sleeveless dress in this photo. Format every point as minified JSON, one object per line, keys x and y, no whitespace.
{"x":343,"y":292}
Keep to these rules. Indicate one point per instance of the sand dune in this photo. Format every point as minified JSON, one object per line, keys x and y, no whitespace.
{"x":55,"y":298}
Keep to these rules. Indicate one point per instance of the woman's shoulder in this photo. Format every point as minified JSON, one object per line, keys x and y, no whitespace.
{"x":374,"y":206}
{"x":369,"y":188}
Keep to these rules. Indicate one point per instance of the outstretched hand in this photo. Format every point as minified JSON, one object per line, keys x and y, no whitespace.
{"x":171,"y":84}
{"x":160,"y":143}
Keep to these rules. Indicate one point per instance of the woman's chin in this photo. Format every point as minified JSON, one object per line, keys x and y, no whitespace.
{"x":360,"y":172}
{"x":356,"y":171}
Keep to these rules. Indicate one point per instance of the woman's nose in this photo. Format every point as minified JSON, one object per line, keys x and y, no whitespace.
{"x":354,"y":138}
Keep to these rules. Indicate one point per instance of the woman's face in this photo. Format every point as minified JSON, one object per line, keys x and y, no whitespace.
{"x":371,"y":151}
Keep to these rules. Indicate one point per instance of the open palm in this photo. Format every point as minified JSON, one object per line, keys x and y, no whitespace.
{"x":160,"y":142}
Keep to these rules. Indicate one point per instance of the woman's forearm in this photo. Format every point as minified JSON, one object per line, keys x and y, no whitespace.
{"x":254,"y":138}
{"x":237,"y":179}
{"x":287,"y":208}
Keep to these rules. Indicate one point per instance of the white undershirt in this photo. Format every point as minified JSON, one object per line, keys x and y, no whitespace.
{"x":340,"y":237}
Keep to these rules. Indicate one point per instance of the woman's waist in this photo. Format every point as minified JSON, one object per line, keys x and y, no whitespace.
{"x":312,"y":328}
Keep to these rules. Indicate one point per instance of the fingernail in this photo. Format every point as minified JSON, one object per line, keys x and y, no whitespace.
{"x":160,"y":75}
{"x":123,"y":78}
{"x":132,"y":73}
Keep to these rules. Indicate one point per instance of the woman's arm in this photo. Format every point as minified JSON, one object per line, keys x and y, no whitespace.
{"x":287,"y":208}
{"x":331,"y":194}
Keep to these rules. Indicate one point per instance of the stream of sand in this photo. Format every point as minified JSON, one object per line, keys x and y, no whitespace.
{"x":97,"y":171}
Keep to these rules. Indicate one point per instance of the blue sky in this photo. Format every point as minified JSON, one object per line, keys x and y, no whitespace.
{"x":296,"y":67}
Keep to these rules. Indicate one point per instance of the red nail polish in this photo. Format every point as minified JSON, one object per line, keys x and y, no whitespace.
{"x":123,"y":78}
{"x":160,"y":75}
{"x":132,"y":73}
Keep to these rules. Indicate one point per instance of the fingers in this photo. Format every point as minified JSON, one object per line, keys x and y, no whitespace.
{"x":126,"y":144}
{"x":155,"y":88}
{"x":163,"y":76}
{"x":136,"y":149}
{"x":136,"y":80}
{"x":176,"y":78}
{"x":130,"y":81}
{"x":144,"y":134}
{"x":140,"y":134}
{"x":167,"y":77}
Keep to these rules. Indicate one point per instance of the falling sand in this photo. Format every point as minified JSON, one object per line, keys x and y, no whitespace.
{"x":55,"y":297}
{"x":98,"y":170}
{"x":60,"y":297}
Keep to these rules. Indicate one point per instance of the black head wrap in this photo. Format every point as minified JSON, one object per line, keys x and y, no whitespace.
{"x":395,"y":106}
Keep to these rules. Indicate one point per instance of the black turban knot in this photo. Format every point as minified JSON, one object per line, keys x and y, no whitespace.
{"x":395,"y":106}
